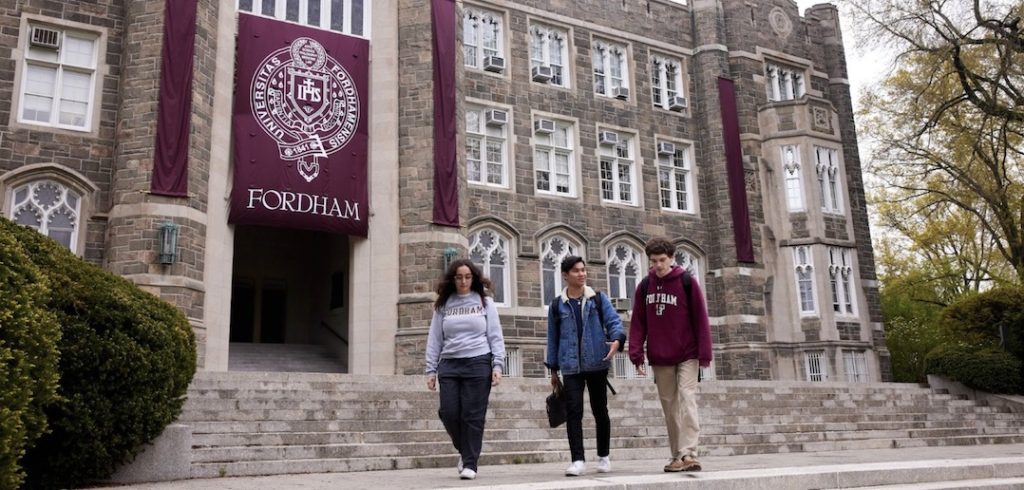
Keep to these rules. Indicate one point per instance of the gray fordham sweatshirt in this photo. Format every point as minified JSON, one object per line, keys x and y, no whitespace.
{"x":465,"y":328}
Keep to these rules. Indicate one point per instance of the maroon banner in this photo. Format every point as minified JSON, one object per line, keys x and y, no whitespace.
{"x":300,"y":130}
{"x":174,"y":106}
{"x":734,"y":168}
{"x":446,"y":162}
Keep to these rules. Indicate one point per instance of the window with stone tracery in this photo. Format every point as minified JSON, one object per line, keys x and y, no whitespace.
{"x":490,"y":251}
{"x":51,"y":208}
{"x":552,"y":251}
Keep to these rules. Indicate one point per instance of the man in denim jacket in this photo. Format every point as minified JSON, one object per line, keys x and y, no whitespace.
{"x":584,"y":332}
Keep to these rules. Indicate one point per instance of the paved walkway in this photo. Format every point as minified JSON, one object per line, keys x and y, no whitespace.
{"x":648,"y":473}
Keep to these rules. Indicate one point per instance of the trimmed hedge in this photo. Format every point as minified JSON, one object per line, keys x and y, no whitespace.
{"x":28,"y":357}
{"x":977,"y":319}
{"x":987,"y":369}
{"x":126,"y":359}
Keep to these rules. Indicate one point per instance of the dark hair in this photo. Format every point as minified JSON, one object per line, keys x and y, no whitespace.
{"x":659,"y":245}
{"x":446,"y":286}
{"x":569,"y":262}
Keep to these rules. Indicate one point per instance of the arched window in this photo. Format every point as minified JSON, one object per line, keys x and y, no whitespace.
{"x":489,"y":250}
{"x":552,"y":251}
{"x":481,"y":36}
{"x":51,"y":208}
{"x":624,"y":270}
{"x":688,"y":261}
{"x":804,"y":269}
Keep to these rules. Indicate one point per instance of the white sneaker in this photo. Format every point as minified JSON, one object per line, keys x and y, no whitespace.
{"x":467,"y":474}
{"x":577,"y":468}
{"x":458,"y":466}
{"x":604,"y":465}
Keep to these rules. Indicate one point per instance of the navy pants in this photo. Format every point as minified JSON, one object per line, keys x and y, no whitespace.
{"x":465,"y":387}
{"x":597,"y":384}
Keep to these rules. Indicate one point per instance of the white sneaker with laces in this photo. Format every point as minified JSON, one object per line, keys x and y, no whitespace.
{"x":604,"y":465}
{"x":467,"y":474}
{"x":577,"y":468}
{"x":458,"y":466}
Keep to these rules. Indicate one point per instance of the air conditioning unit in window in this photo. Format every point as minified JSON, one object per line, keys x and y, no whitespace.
{"x":494,"y":117}
{"x":543,"y":126}
{"x":677,"y":103}
{"x":609,"y":138}
{"x":620,"y":92}
{"x":541,"y":74}
{"x":622,"y":304}
{"x":45,"y":38}
{"x":666,"y":148}
{"x":494,"y":63}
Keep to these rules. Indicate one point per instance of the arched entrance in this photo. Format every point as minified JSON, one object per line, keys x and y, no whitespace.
{"x":289,"y":301}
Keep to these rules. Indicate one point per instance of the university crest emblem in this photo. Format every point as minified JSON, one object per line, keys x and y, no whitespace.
{"x":307,"y":102}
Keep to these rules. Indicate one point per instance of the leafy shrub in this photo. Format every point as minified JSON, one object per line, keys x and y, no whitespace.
{"x":126,"y":359}
{"x":909,"y":341}
{"x":987,"y":369}
{"x":28,"y":357}
{"x":978,"y":319}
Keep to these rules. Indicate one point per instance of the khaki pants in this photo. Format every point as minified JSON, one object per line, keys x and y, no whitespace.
{"x":677,"y":389}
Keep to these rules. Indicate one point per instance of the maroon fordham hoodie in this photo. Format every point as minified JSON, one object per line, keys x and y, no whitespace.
{"x":675,"y":328}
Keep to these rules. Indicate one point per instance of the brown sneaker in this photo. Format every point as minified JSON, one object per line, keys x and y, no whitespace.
{"x":690,"y":463}
{"x":675,"y":465}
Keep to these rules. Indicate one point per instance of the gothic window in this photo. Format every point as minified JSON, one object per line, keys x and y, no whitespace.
{"x":610,"y":69}
{"x":552,"y":251}
{"x":804,"y":269}
{"x":549,"y":47}
{"x":792,"y":175}
{"x":783,"y":83}
{"x":489,"y":250}
{"x":667,"y":83}
{"x":481,"y":36}
{"x":51,"y":208}
{"x":624,"y":270}
{"x":827,"y":166}
{"x":840,"y":273}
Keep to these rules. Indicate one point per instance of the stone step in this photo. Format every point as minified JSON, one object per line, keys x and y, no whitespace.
{"x":987,"y":484}
{"x":828,"y":476}
{"x":657,"y":435}
{"x":418,"y":400}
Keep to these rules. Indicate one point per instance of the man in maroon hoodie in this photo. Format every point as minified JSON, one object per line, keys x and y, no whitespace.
{"x":670,"y":317}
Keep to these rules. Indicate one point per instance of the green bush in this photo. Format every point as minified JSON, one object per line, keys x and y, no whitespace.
{"x":28,"y":357}
{"x":987,"y":369}
{"x":977,"y":319}
{"x":126,"y":359}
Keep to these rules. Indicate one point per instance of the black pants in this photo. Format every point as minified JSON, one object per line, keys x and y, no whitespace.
{"x":465,"y":387}
{"x":597,"y":384}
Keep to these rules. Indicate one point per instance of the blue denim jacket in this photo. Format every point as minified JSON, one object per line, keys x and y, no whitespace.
{"x":566,"y":352}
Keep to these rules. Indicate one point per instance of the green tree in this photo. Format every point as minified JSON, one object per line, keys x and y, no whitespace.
{"x":912,"y":297}
{"x":948,"y":128}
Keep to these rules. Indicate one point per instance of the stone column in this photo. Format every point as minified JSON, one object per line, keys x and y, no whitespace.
{"x":735,"y":296}
{"x":135,"y":216}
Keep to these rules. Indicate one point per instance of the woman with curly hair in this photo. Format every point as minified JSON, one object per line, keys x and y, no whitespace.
{"x":465,"y":356}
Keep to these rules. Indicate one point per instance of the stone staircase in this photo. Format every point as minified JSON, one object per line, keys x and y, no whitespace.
{"x":252,"y":423}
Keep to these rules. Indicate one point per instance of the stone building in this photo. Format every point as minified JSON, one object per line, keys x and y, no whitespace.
{"x":584,"y":127}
